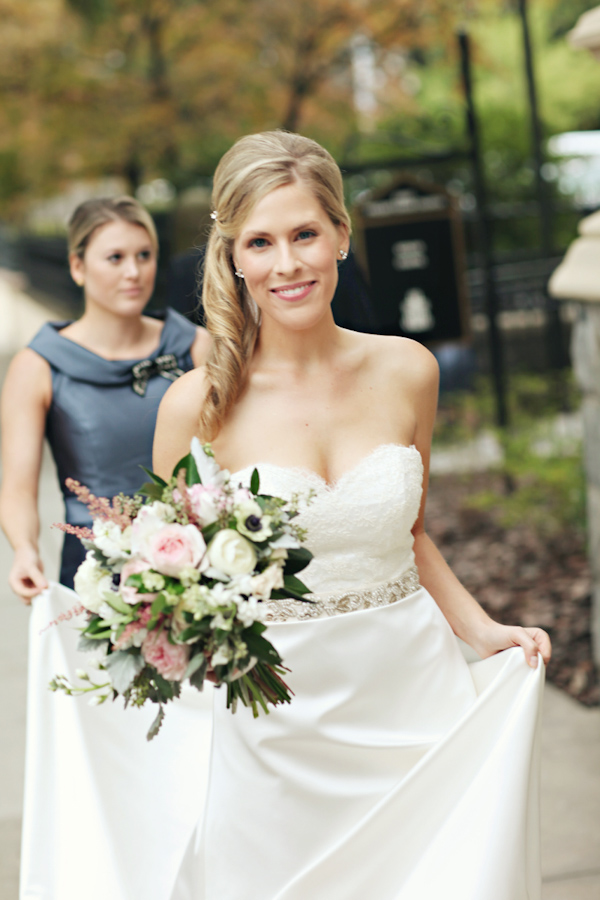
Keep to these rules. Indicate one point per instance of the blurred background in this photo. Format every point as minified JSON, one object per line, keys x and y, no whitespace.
{"x":468,"y":133}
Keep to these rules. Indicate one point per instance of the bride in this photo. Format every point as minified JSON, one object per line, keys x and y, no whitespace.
{"x":398,"y":772}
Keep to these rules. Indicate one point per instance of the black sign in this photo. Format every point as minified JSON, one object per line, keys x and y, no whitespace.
{"x":410,"y":245}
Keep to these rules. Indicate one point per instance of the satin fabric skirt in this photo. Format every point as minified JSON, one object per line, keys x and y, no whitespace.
{"x":398,"y":772}
{"x":107,"y":815}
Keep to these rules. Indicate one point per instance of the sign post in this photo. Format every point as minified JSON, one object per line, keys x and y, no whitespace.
{"x":410,"y":245}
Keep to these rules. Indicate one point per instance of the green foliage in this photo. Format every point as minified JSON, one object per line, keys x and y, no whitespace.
{"x":543,"y":476}
{"x":531,"y":397}
{"x":564,"y":14}
{"x":546,"y":492}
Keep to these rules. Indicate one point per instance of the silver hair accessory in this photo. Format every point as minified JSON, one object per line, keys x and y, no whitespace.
{"x":214,"y":215}
{"x":239,"y":273}
{"x":344,"y":254}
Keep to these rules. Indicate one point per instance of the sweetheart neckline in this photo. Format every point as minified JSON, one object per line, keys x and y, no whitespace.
{"x":310,"y":473}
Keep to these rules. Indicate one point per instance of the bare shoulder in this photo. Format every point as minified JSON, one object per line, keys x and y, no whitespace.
{"x":185,"y":396}
{"x":400,"y":358}
{"x":29,"y":378}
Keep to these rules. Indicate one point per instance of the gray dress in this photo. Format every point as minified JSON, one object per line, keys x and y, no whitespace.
{"x":100,"y":425}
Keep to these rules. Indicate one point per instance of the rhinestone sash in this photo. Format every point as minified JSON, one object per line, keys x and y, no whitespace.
{"x":341,"y":602}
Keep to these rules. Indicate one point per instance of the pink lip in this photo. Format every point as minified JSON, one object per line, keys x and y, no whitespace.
{"x":306,"y":285}
{"x":132,"y":292}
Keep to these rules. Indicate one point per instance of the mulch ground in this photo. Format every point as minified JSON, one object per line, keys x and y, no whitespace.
{"x":520,"y":577}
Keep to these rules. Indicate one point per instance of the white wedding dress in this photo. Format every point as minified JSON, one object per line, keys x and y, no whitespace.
{"x":106,"y":815}
{"x":398,"y":772}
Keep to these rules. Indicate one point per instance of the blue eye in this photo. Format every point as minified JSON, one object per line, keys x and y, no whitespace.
{"x":304,"y":235}
{"x":258,"y":242}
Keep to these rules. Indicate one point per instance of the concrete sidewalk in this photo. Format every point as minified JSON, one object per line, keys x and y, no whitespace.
{"x":571,"y":736}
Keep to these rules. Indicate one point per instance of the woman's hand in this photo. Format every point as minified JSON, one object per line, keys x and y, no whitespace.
{"x":496,"y":637}
{"x":26,"y":576}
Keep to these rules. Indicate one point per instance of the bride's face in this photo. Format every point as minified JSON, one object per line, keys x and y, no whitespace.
{"x":288,"y":250}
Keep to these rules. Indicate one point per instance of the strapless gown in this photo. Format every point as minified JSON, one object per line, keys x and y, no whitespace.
{"x":398,"y":772}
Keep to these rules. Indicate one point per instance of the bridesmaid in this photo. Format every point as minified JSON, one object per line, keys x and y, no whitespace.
{"x":92,"y":386}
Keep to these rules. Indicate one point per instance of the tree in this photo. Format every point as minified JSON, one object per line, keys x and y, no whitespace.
{"x":142,"y":88}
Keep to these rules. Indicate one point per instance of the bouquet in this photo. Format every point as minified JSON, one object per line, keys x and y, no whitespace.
{"x":174,"y":583}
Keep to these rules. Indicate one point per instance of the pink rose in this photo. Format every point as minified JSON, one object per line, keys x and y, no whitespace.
{"x":128,"y":592}
{"x":175,"y":547}
{"x":134,"y":634}
{"x":170,"y":660}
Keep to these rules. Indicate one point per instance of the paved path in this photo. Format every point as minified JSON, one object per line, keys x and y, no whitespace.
{"x":571,"y":737}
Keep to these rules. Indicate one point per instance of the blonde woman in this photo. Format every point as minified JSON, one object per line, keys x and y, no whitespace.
{"x":397,"y":772}
{"x":93,"y":387}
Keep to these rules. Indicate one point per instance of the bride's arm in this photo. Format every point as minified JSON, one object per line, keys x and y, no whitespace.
{"x":177,"y":422}
{"x":466,"y":617}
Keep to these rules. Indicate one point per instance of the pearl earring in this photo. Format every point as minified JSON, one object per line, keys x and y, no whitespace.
{"x":239,"y":272}
{"x":344,"y":254}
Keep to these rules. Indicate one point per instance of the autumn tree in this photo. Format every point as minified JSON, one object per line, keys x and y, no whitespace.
{"x":161,"y":87}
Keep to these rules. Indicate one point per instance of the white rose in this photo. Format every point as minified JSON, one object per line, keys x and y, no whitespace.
{"x":231,"y":553}
{"x":269,"y":580}
{"x":114,"y":543}
{"x":91,"y":583}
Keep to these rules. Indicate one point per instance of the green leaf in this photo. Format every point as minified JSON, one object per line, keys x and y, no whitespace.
{"x":86,"y":643}
{"x":255,"y":482}
{"x":153,"y":477}
{"x":261,"y":648}
{"x":155,"y":727}
{"x":195,"y":663}
{"x":297,"y":559}
{"x":102,"y":635}
{"x":122,"y":667}
{"x":152,"y":491}
{"x":167,"y":689}
{"x":188,"y":463}
{"x":117,"y":603}
{"x":292,"y":583}
{"x":209,"y":532}
{"x":158,"y":605}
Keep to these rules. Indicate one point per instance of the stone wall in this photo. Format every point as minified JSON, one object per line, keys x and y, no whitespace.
{"x":585,"y":352}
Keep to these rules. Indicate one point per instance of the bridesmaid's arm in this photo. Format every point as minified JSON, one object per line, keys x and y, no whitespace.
{"x":178,"y":421}
{"x":466,"y":617}
{"x":26,"y":398}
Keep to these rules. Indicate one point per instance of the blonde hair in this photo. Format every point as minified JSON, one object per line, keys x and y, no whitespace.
{"x":92,"y":214}
{"x":256,"y":165}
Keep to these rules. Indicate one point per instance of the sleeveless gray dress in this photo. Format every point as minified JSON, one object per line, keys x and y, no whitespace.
{"x":100,"y":425}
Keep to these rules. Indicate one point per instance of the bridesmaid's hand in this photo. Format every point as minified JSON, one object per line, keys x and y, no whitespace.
{"x":501,"y":637}
{"x":26,"y":576}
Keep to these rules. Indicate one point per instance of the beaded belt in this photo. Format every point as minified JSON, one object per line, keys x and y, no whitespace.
{"x":343,"y":601}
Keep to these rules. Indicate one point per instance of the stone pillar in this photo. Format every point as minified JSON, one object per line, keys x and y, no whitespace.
{"x":577,"y":279}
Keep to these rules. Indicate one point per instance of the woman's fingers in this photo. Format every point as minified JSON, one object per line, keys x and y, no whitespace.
{"x":533,"y":641}
{"x":542,"y":640}
{"x":27,"y":584}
